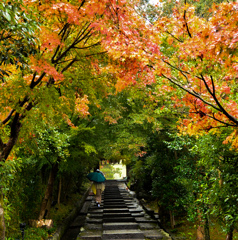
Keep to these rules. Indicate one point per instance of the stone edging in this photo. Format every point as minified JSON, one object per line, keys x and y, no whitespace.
{"x":68,"y":220}
{"x":151,"y":213}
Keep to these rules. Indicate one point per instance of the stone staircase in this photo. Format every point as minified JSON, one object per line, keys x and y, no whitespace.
{"x":119,"y":217}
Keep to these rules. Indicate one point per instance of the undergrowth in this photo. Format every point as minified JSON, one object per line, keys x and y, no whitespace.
{"x":187,"y":230}
{"x":58,"y":213}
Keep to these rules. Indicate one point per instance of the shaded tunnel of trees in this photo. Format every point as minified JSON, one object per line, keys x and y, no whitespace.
{"x":151,"y":85}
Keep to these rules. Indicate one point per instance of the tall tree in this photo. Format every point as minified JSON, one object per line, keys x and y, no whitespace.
{"x":45,"y":82}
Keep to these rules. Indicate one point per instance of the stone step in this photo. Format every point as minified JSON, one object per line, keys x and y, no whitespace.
{"x":121,"y":219}
{"x":153,"y":234}
{"x":137,"y":215}
{"x":93,"y":220}
{"x":115,"y":206}
{"x":119,"y":225}
{"x":115,"y":194}
{"x":114,"y":203}
{"x":144,"y":220}
{"x":136,"y":210}
{"x":115,"y":210}
{"x":96,"y":216}
{"x":96,"y":210}
{"x":123,"y":234}
{"x":89,"y":198}
{"x":148,"y":226}
{"x":110,"y":192}
{"x":132,"y":206}
{"x":94,"y":206}
{"x":113,"y":200}
{"x":93,"y":226}
{"x":90,"y":235}
{"x":129,"y":201}
{"x":116,"y":215}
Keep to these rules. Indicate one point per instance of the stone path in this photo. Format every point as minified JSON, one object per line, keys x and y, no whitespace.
{"x":119,"y":217}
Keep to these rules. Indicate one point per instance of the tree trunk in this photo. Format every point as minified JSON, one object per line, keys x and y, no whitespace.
{"x":220,"y":177}
{"x":203,"y":232}
{"x":46,"y":203}
{"x":200,"y":233}
{"x":15,"y":129}
{"x":2,"y":222}
{"x":172,"y":220}
{"x":59,"y":191}
{"x":5,"y":150}
{"x":229,"y":235}
{"x":207,"y":229}
{"x":162,"y":214}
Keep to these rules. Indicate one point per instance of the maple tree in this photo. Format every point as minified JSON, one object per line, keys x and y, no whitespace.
{"x":197,"y":55}
{"x":51,"y":80}
{"x":204,"y":65}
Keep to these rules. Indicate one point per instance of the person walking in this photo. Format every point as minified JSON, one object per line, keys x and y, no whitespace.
{"x":98,"y":185}
{"x":99,"y":190}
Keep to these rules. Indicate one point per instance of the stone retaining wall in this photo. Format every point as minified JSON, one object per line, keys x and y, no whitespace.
{"x":68,"y":220}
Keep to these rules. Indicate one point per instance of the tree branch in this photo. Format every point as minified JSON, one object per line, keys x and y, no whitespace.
{"x":93,"y":45}
{"x":174,"y":37}
{"x":78,"y":39}
{"x":190,"y":92}
{"x":8,"y":117}
{"x":93,"y":54}
{"x":186,"y":24}
{"x":221,"y":108}
{"x":1,"y":145}
{"x":180,"y":70}
{"x":69,"y":65}
{"x":82,"y":3}
{"x":227,"y":124}
{"x":33,"y":84}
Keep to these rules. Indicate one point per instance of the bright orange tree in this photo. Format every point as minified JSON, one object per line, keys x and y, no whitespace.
{"x":195,"y":55}
{"x":202,"y":61}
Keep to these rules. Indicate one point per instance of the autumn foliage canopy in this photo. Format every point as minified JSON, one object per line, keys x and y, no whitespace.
{"x":72,"y":40}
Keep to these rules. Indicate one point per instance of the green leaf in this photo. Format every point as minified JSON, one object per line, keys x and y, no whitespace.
{"x":7,"y":16}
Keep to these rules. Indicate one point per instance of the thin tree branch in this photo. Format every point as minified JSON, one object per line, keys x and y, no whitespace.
{"x":81,"y":5}
{"x":227,"y":124}
{"x":78,"y":39}
{"x":206,"y":85}
{"x":82,"y":36}
{"x":186,"y":24}
{"x":180,"y":70}
{"x":190,"y":92}
{"x":69,"y":65}
{"x":216,"y":119}
{"x":174,"y":37}
{"x":96,"y":44}
{"x":8,"y":117}
{"x":221,"y":108}
{"x":93,"y":54}
{"x":33,"y":79}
